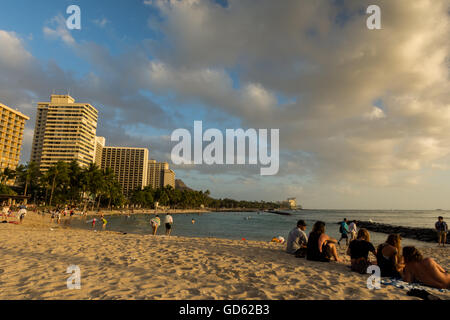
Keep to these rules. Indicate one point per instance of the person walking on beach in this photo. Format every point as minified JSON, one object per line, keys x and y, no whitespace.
{"x":297,"y":240}
{"x":22,"y":213}
{"x":353,"y":230}
{"x":168,"y":221}
{"x":343,"y":229}
{"x":424,"y":270}
{"x":155,"y":222}
{"x":442,"y":229}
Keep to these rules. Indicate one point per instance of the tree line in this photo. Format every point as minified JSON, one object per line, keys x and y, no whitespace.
{"x":67,"y":183}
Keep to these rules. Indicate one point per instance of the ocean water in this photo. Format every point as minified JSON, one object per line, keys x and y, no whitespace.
{"x":264,"y":226}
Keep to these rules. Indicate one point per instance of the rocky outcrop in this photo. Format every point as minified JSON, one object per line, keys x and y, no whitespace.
{"x":421,"y":234}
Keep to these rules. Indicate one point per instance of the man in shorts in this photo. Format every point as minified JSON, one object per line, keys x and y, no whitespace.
{"x":168,"y":221}
{"x":441,"y":229}
{"x":343,"y":229}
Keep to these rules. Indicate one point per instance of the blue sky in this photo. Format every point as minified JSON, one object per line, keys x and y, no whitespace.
{"x":356,"y":108}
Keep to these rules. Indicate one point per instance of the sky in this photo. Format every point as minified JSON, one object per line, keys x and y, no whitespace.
{"x":363,"y":115}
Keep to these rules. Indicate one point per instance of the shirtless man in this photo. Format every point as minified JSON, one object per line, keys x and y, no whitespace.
{"x":424,"y":270}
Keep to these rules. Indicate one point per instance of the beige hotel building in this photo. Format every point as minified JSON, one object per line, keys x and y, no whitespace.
{"x":12,"y":124}
{"x":130,"y":166}
{"x":159,"y":175}
{"x":64,"y":131}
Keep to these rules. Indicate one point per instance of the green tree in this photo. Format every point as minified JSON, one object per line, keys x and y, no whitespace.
{"x":28,"y":176}
{"x":57,"y":176}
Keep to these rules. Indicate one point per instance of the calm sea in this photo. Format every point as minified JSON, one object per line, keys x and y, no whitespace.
{"x":264,"y":226}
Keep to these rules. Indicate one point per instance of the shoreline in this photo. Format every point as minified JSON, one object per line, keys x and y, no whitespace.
{"x":36,"y":254}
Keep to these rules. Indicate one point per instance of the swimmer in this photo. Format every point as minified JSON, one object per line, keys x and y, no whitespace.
{"x":193,"y":221}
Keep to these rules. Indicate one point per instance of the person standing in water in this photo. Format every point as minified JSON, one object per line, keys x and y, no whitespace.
{"x":155,"y":223}
{"x":441,"y":229}
{"x":168,"y":221}
{"x":104,"y":222}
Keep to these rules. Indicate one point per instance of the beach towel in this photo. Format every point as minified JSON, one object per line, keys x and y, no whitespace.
{"x":408,"y":286}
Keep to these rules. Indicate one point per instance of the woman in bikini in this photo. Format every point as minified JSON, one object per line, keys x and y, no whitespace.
{"x":424,"y":270}
{"x":388,"y":257}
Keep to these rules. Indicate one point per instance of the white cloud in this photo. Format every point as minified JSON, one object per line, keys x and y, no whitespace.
{"x":60,"y":31}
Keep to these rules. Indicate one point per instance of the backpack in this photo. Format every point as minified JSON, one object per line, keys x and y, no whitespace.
{"x":341,"y":230}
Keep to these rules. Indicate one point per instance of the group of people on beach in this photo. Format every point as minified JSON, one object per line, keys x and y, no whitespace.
{"x":407,"y":263}
{"x":8,"y":212}
{"x":156,"y":222}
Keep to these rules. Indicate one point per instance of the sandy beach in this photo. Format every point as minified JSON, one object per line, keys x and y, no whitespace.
{"x":36,"y":254}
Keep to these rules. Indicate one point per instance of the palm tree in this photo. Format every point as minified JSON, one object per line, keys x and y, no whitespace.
{"x":58,"y":175}
{"x":91,"y":181}
{"x":28,"y":175}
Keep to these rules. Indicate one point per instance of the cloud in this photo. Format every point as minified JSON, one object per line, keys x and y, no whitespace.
{"x":59,"y":31}
{"x":331,"y":69}
{"x":101,"y":22}
{"x":360,"y":112}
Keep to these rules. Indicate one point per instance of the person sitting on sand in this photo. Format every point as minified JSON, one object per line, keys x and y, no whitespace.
{"x":388,"y":257}
{"x":155,"y":222}
{"x":441,"y":229}
{"x":359,"y":249}
{"x":297,"y":240}
{"x":321,"y":247}
{"x":424,"y":270}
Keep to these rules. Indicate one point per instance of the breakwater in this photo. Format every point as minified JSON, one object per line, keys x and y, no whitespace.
{"x":421,"y":234}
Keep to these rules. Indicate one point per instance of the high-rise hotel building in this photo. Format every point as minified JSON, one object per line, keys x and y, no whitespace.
{"x":159,"y":175}
{"x":130,"y":166}
{"x":98,"y":150}
{"x":64,"y":131}
{"x":12,"y":124}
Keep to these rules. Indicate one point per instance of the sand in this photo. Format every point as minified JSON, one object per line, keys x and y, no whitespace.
{"x":36,"y":254}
